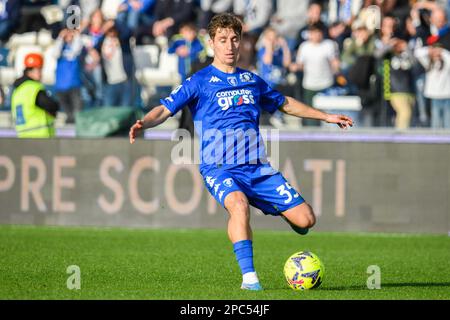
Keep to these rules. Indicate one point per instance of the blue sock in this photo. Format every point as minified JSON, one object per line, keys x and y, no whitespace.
{"x":244,"y":255}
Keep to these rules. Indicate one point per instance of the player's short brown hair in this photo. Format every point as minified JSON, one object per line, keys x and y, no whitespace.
{"x":224,"y":21}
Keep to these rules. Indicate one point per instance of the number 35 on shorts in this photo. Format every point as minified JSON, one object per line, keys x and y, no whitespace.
{"x":286,"y":190}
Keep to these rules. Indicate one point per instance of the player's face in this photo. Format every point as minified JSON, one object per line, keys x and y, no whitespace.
{"x":226,"y":46}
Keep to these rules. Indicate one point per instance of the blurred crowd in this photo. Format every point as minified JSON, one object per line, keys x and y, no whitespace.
{"x":393,"y":55}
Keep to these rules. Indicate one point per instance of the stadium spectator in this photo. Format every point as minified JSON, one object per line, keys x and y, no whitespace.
{"x":117,"y":64}
{"x":68,"y":49}
{"x":94,"y":31}
{"x":319,"y":60}
{"x":341,"y":14}
{"x":388,"y":34}
{"x":396,"y":8}
{"x":190,"y":50}
{"x":402,"y":90}
{"x":209,"y":8}
{"x":288,"y":18}
{"x":358,"y":65}
{"x":398,"y":78}
{"x":383,"y":44}
{"x":9,"y":17}
{"x":188,"y":47}
{"x":33,"y":110}
{"x":255,"y":15}
{"x":273,"y":60}
{"x":369,"y":15}
{"x":338,"y":32}
{"x":343,"y":11}
{"x":92,"y":70}
{"x":313,"y":18}
{"x":440,"y":28}
{"x":361,"y":43}
{"x":417,"y":36}
{"x":169,"y":15}
{"x":436,"y":61}
{"x":87,"y":8}
{"x":135,"y":13}
{"x":420,"y":18}
{"x":110,"y":8}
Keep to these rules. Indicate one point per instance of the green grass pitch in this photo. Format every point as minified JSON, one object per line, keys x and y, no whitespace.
{"x":118,"y":263}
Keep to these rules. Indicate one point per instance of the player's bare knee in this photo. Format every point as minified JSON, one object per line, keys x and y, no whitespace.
{"x":237,"y":205}
{"x":240,"y":208}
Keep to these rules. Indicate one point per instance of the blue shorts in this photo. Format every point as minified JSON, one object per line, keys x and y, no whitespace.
{"x":265,"y":188}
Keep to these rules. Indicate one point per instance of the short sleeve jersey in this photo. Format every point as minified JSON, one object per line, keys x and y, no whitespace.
{"x":226,"y":108}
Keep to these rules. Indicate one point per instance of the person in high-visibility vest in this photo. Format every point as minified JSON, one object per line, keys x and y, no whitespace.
{"x":33,"y":110}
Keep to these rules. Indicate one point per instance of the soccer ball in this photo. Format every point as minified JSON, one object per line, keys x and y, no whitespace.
{"x":303,"y":270}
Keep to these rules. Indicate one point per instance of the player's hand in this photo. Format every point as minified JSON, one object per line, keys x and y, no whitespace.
{"x":341,"y":120}
{"x":135,"y":130}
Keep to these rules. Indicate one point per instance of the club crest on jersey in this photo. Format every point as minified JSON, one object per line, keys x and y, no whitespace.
{"x":246,"y":77}
{"x":233,"y":81}
{"x":228,"y":182}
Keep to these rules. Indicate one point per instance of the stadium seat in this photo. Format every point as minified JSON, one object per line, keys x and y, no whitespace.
{"x":7,"y":76}
{"x":348,"y":105}
{"x":109,"y":8}
{"x":146,"y":56}
{"x":49,"y":70}
{"x":20,"y":54}
{"x":52,"y":14}
{"x":42,"y":38}
{"x":150,"y":75}
{"x":22,"y":44}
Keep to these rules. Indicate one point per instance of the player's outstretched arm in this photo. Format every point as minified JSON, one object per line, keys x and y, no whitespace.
{"x":295,"y":108}
{"x":153,"y":118}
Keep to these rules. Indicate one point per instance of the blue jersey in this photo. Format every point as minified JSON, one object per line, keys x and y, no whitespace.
{"x":226,"y":110}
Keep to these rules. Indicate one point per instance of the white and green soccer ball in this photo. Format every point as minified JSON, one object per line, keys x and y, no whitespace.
{"x":304,"y":270}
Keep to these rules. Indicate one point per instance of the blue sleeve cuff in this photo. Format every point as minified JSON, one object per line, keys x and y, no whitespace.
{"x":168,"y":106}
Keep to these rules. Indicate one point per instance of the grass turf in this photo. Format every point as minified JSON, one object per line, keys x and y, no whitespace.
{"x":200,"y":264}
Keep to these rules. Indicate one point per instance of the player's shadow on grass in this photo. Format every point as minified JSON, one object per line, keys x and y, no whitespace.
{"x":391,"y":285}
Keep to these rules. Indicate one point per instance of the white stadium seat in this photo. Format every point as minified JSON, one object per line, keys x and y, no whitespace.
{"x":109,"y":8}
{"x":49,"y":70}
{"x":146,"y":56}
{"x":20,"y":54}
{"x":349,"y":103}
{"x":150,"y":74}
{"x":7,"y":76}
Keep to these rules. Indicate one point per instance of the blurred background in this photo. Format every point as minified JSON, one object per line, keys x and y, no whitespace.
{"x":383,"y":62}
